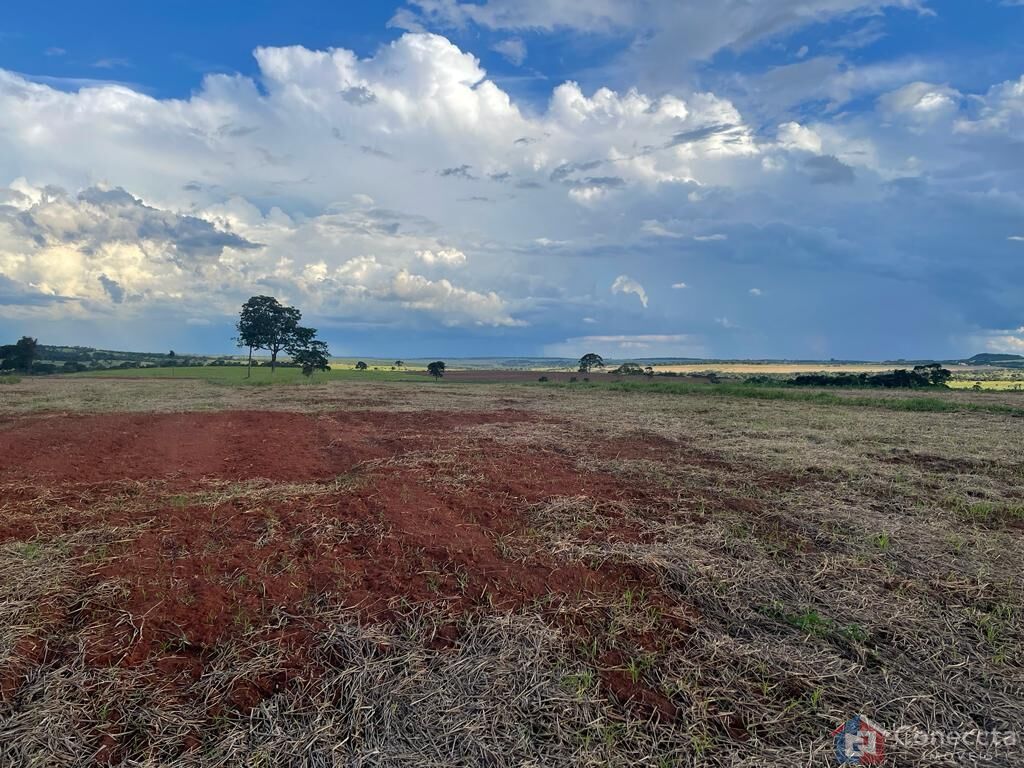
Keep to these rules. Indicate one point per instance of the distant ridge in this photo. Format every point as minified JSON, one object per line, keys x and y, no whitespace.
{"x":987,"y":358}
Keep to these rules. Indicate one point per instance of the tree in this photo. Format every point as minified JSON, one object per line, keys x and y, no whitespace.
{"x":627,"y":369}
{"x":436,"y":369}
{"x":264,"y":323}
{"x":20,"y":355}
{"x":307,"y":351}
{"x":590,"y":361}
{"x":399,"y":363}
{"x":360,"y":366}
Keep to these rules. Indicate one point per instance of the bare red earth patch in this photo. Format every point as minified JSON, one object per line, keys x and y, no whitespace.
{"x":233,"y":445}
{"x":203,"y":573}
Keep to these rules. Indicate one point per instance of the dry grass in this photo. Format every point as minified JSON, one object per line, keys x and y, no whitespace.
{"x":803,"y":563}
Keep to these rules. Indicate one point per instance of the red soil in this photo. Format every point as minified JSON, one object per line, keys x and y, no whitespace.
{"x":200,"y":574}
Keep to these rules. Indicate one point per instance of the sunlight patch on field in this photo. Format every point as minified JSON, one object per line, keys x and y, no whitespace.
{"x":1001,"y":385}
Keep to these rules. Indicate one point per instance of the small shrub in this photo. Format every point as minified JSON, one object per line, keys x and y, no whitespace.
{"x":543,"y":379}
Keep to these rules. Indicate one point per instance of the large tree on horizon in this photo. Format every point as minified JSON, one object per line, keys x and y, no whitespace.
{"x":307,"y":351}
{"x":589,"y":361}
{"x":265,"y":323}
{"x":19,"y":355}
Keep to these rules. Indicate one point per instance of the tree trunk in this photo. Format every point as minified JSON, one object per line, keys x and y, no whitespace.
{"x":248,"y":373}
{"x":273,"y":362}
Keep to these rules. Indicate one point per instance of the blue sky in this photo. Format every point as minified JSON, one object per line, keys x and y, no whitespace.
{"x":795,"y":178}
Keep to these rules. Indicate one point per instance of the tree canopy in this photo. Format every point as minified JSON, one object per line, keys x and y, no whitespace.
{"x":436,"y":369}
{"x":307,"y":351}
{"x":589,"y":361}
{"x":20,"y":355}
{"x":265,"y":323}
{"x":360,"y":366}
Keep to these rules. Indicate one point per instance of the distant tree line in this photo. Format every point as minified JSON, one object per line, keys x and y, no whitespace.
{"x":932,"y":375}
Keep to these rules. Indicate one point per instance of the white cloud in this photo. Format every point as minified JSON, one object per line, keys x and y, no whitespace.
{"x":320,"y":180}
{"x":338,"y":145}
{"x":448,"y":256}
{"x":1017,"y":238}
{"x":1010,"y":342}
{"x":657,"y":229}
{"x":921,"y":101}
{"x":679,"y":286}
{"x":1001,"y":110}
{"x":626,"y":284}
{"x":755,"y":292}
{"x":795,"y":136}
{"x":452,"y":303}
{"x":513,"y":49}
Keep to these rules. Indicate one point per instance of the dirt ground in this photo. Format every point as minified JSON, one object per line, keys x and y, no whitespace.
{"x":469,"y":574}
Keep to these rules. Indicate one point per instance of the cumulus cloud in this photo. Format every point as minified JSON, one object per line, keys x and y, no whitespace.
{"x":103,"y":244}
{"x":449,"y":256}
{"x":626,"y":284}
{"x":795,"y":136}
{"x":328,"y":178}
{"x":921,"y":101}
{"x":1001,"y":110}
{"x":679,"y":286}
{"x":451,"y":303}
{"x":755,"y":292}
{"x":1010,"y":342}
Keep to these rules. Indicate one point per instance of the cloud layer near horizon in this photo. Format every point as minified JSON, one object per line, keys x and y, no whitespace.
{"x":409,"y":194}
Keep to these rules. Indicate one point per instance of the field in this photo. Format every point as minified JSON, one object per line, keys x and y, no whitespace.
{"x":998,"y":385}
{"x":380,"y":569}
{"x":754,"y":369}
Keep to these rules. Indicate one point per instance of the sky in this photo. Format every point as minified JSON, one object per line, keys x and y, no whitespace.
{"x":803,"y":179}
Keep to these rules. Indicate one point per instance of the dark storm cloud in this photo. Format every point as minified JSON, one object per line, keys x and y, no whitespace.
{"x":700,"y":134}
{"x":358,"y":95}
{"x":103,"y":216}
{"x":458,"y":172}
{"x":564,"y":171}
{"x":112,"y":288}
{"x":828,"y":169}
{"x":604,"y":182}
{"x":14,"y":293}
